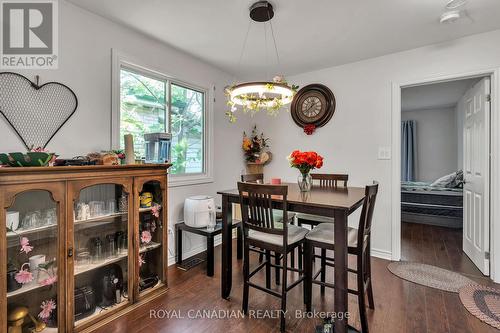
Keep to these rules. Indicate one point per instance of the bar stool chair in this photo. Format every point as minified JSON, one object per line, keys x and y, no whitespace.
{"x":277,"y":215}
{"x":358,"y":244}
{"x":260,"y":231}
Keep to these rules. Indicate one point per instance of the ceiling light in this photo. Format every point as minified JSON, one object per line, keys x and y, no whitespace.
{"x":254,"y":96}
{"x":450,"y":16}
{"x":454,"y":4}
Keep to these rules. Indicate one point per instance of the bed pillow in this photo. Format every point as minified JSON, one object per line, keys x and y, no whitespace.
{"x":458,"y":181}
{"x":444,"y":181}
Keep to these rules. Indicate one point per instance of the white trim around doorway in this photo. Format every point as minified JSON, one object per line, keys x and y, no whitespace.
{"x":494,"y":161}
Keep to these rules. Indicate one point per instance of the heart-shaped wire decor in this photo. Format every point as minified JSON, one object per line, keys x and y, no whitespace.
{"x":35,"y":112}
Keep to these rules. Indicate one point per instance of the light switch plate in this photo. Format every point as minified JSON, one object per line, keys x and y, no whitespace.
{"x":384,"y":153}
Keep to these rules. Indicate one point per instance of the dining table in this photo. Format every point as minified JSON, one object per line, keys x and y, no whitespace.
{"x":337,"y":202}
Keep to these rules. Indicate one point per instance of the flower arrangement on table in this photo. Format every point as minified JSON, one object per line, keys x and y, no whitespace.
{"x":305,"y":162}
{"x":255,"y":147}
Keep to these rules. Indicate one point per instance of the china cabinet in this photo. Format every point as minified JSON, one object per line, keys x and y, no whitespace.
{"x":81,"y":245}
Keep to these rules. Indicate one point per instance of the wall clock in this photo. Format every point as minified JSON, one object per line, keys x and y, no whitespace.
{"x":312,"y":107}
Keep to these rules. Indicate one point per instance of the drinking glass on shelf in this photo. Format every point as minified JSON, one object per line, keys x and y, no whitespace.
{"x":111,"y":206}
{"x":31,"y":220}
{"x":49,"y":217}
{"x":82,"y":211}
{"x":97,"y":208}
{"x":82,"y":257}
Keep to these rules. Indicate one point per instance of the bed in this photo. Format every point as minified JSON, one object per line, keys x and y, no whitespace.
{"x":426,"y":204}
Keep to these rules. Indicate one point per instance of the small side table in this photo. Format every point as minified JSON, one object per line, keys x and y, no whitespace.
{"x":181,"y":226}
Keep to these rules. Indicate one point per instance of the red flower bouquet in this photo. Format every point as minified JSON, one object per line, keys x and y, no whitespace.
{"x":305,"y":162}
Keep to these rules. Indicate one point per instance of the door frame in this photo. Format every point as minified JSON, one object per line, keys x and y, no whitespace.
{"x":494,"y":74}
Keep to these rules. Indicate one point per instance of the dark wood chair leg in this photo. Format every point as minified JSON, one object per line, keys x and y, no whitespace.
{"x":179,"y":246}
{"x":277,"y":261}
{"x":361,"y":293}
{"x":300,"y":251}
{"x":210,"y":255}
{"x":368,"y":275}
{"x":246,"y":273}
{"x":268,"y":269}
{"x":284,"y":284}
{"x":323,"y":270}
{"x":308,"y":266}
{"x":239,"y":242}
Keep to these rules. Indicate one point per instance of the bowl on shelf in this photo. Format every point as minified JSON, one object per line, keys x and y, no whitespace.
{"x":28,"y":159}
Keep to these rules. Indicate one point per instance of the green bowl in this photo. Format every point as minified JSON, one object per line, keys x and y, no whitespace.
{"x":29,"y":159}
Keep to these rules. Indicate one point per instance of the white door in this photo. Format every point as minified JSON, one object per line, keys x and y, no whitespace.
{"x":476,"y":172}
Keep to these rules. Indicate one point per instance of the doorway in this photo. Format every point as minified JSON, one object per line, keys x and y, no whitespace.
{"x":450,"y":220}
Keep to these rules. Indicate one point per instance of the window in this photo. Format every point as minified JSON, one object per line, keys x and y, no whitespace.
{"x":149,"y":103}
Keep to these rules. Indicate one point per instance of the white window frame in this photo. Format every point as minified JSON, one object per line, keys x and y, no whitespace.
{"x":120,"y":61}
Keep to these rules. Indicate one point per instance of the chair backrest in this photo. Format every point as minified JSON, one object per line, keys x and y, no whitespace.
{"x":365,"y":220}
{"x":252,"y":178}
{"x":257,"y":210}
{"x":330,"y":179}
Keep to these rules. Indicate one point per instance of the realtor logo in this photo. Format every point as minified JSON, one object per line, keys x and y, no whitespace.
{"x":29,"y":34}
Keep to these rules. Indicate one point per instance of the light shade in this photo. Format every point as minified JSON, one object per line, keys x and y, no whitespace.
{"x":265,"y":94}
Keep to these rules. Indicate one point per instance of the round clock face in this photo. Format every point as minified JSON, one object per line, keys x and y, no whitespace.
{"x":313,"y":105}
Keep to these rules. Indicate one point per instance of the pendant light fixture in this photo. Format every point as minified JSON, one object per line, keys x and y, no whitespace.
{"x":269,"y":95}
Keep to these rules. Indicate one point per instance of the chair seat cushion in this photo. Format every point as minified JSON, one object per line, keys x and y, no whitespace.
{"x":324,"y":233}
{"x":314,"y":218}
{"x":295,"y":234}
{"x":278,"y":216}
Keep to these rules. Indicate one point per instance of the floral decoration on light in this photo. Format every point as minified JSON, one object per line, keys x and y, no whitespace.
{"x":47,"y":307}
{"x":255,"y":96}
{"x":305,"y":161}
{"x":146,"y":237}
{"x":24,"y":276}
{"x":25,"y":245}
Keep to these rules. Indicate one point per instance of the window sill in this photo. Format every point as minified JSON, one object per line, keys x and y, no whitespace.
{"x":178,"y":181}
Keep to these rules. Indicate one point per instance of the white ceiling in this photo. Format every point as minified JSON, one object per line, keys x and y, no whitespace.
{"x":435,"y":96}
{"x":310,"y":34}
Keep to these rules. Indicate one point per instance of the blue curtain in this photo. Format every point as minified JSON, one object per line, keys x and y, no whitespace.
{"x":408,"y":150}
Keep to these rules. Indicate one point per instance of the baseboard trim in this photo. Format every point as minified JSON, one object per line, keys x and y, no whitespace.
{"x":382,"y":254}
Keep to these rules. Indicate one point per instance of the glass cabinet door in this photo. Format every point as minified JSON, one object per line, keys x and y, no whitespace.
{"x":101,"y":252}
{"x":150,"y":237}
{"x":32,"y":229}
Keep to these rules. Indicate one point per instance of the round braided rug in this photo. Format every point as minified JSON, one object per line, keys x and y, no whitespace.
{"x":483,"y":303}
{"x":429,"y":276}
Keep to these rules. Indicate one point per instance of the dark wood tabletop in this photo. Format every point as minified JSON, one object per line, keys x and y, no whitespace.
{"x":338,"y":203}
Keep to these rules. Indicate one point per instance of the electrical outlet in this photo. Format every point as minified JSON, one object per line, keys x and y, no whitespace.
{"x":384,"y":153}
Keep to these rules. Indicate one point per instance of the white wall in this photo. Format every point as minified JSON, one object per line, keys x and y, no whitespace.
{"x":437,"y":143}
{"x":85,"y":47}
{"x":362,"y":121}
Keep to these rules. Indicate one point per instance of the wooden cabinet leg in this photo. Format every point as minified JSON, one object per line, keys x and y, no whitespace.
{"x":210,"y":255}
{"x":179,"y":245}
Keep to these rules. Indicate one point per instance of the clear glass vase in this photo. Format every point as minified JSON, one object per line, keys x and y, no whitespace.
{"x":305,"y":182}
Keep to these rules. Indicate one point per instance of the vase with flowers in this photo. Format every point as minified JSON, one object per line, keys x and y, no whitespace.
{"x":305,"y":162}
{"x":256,"y":151}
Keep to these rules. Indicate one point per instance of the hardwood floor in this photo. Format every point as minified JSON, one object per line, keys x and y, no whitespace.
{"x":400,"y":306}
